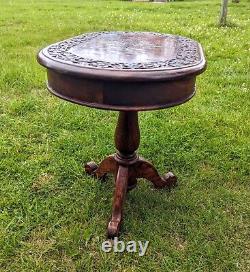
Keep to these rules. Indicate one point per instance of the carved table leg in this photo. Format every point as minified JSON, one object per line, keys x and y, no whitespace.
{"x":119,"y":196}
{"x":145,"y":169}
{"x":127,"y":167}
{"x":108,"y":165}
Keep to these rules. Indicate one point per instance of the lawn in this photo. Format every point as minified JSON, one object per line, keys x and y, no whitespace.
{"x":53,"y":217}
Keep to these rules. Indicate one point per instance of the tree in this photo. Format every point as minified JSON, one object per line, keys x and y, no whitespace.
{"x":223,"y":13}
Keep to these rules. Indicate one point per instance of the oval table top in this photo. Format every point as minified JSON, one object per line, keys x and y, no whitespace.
{"x":124,"y":70}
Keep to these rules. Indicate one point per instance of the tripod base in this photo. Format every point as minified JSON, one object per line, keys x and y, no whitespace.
{"x":126,"y":172}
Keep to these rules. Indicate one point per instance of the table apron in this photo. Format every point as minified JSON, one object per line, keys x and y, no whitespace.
{"x":115,"y":95}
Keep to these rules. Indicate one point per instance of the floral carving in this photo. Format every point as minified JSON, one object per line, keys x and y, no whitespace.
{"x":187,"y":53}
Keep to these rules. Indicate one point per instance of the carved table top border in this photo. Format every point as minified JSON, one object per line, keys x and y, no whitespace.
{"x":188,"y":54}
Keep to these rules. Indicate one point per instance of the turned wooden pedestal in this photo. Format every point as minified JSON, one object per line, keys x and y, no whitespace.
{"x":127,"y":166}
{"x":127,"y":72}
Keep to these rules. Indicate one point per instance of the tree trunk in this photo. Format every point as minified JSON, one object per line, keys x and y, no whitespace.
{"x":223,"y":13}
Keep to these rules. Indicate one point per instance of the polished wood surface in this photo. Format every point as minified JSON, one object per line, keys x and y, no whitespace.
{"x":121,"y":96}
{"x":125,"y":56}
{"x":127,"y":72}
{"x":127,"y":167}
{"x":124,"y":71}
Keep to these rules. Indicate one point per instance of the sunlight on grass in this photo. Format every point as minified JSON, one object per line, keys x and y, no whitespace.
{"x":53,"y":217}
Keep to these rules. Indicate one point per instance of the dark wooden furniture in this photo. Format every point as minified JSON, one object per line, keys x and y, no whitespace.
{"x":127,"y":72}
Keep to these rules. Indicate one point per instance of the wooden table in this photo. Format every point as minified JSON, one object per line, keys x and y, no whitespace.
{"x":126,"y":72}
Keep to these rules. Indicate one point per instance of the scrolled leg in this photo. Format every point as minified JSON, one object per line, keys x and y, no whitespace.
{"x":145,"y":169}
{"x":127,"y":168}
{"x":108,"y":165}
{"x":118,"y":200}
{"x":90,"y":167}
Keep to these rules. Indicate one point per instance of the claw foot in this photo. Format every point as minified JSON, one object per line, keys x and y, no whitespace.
{"x":170,"y":181}
{"x":90,"y":168}
{"x":113,"y":229}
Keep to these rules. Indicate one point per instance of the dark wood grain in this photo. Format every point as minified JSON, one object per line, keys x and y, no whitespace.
{"x":127,"y":135}
{"x":124,"y":71}
{"x":125,"y":56}
{"x":127,"y":72}
{"x":118,"y":200}
{"x":121,"y":96}
{"x":127,"y":166}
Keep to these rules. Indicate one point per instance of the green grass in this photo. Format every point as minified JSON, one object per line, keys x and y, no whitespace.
{"x":53,"y":217}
